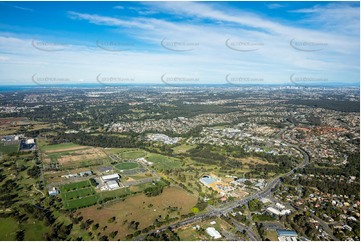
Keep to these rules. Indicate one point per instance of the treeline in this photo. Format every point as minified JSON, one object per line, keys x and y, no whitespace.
{"x":157,"y":188}
{"x":98,"y":140}
{"x":167,"y":235}
{"x":226,"y":158}
{"x":344,"y":106}
{"x":339,"y":187}
{"x":352,"y":168}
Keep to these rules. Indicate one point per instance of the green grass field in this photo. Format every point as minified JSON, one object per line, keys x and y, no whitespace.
{"x":7,"y":149}
{"x":58,"y":146}
{"x":79,"y":193}
{"x":115,"y":193}
{"x":182,"y":148}
{"x":163,"y":162}
{"x":82,"y":202}
{"x":8,"y":228}
{"x":35,"y":231}
{"x":75,"y":186}
{"x":126,"y":165}
{"x":132,"y":154}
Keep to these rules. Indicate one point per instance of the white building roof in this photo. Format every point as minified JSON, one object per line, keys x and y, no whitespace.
{"x":213,"y":233}
{"x":280,"y":206}
{"x":112,"y":184}
{"x":30,"y":141}
{"x":111,"y":177}
{"x":273,"y":210}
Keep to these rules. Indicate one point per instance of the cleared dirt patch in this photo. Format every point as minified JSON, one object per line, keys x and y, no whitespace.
{"x":88,"y":154}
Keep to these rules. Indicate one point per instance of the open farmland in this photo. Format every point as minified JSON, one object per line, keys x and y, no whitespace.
{"x":69,"y":155}
{"x":140,"y":208}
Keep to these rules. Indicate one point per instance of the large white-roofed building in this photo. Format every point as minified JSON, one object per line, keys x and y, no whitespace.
{"x":113,"y":185}
{"x":112,"y":177}
{"x":213,"y":233}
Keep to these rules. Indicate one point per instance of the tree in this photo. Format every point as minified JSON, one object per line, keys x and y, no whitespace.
{"x":20,"y":234}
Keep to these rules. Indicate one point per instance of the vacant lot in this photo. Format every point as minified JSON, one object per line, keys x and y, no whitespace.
{"x":140,"y":208}
{"x":163,"y":162}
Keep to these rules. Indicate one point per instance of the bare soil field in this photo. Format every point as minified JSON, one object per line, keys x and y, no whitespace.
{"x":5,"y":122}
{"x":81,"y":155}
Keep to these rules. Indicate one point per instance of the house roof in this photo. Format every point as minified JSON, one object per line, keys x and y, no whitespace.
{"x":285,"y":232}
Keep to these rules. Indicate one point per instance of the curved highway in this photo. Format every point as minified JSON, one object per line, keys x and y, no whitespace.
{"x":229,"y":207}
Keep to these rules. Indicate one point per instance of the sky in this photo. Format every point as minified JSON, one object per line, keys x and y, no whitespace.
{"x":235,"y":43}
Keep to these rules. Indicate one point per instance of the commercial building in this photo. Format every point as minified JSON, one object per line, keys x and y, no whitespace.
{"x":277,"y":212}
{"x":86,"y":173}
{"x":286,"y":235}
{"x":113,"y":185}
{"x":207,"y":180}
{"x":53,"y":191}
{"x":112,"y":177}
{"x":213,"y":233}
{"x":110,"y":182}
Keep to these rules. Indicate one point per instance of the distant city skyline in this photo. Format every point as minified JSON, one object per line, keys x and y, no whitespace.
{"x":172,"y":43}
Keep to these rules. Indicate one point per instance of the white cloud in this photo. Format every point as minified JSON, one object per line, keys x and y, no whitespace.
{"x":108,"y":21}
{"x":18,"y":7}
{"x":118,"y":7}
{"x":275,"y":5}
{"x":210,"y":60}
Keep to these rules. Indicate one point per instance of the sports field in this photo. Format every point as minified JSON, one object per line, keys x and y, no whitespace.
{"x":78,"y":195}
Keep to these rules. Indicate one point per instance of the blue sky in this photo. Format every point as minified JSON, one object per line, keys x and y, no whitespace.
{"x":179,"y":42}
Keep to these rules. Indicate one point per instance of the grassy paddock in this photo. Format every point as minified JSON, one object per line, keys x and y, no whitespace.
{"x":8,"y":227}
{"x":140,"y":208}
{"x":59,"y":146}
{"x":75,"y":186}
{"x":7,"y":149}
{"x":164,"y":162}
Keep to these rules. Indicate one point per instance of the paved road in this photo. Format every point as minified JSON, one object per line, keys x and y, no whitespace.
{"x":229,"y":207}
{"x":322,"y":223}
{"x":325,"y":227}
{"x":240,"y":227}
